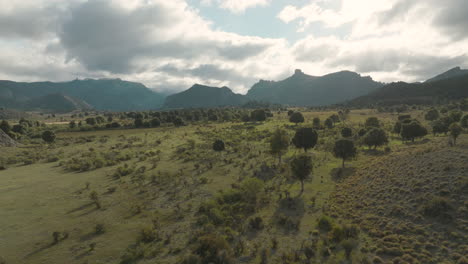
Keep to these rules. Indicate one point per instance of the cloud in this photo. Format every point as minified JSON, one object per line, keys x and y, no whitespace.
{"x":236,"y":6}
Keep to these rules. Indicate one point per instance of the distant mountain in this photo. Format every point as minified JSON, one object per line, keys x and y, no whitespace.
{"x":457,"y":71}
{"x":57,"y":103}
{"x":102,"y":94}
{"x":305,"y":90}
{"x":204,"y":96}
{"x":454,"y":88}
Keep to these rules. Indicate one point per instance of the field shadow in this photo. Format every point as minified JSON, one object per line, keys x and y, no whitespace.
{"x":338,"y":174}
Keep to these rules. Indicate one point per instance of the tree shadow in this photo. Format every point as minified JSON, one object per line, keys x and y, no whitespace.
{"x":338,"y":174}
{"x":80,"y":208}
{"x":44,"y":247}
{"x":373,"y":152}
{"x":289,"y":213}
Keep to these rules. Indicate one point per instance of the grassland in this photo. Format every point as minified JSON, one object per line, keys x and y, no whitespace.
{"x":150,"y":184}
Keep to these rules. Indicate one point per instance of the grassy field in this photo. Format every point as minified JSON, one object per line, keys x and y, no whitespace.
{"x":134,"y":195}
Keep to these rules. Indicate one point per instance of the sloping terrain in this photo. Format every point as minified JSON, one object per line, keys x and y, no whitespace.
{"x":412,"y":203}
{"x":416,"y":93}
{"x":5,"y":140}
{"x":455,"y":72}
{"x":305,"y":90}
{"x":204,"y":96}
{"x":57,"y":102}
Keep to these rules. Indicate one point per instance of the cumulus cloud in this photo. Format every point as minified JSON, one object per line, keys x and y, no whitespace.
{"x":168,"y":45}
{"x":236,"y":6}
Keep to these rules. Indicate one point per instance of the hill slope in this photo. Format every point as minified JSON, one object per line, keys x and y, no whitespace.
{"x":103,"y":94}
{"x":412,"y":202}
{"x":57,"y":102}
{"x":416,"y":93}
{"x":306,"y":90}
{"x":204,"y":96}
{"x":457,"y":71}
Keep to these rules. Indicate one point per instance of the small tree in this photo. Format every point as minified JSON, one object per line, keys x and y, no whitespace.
{"x":432,"y":114}
{"x":279,"y":143}
{"x":72,"y":124}
{"x":296,"y":118}
{"x":412,"y":130}
{"x":316,"y":123}
{"x":329,"y":123}
{"x":48,"y":136}
{"x":301,"y":167}
{"x":464,"y":121}
{"x":372,"y":122}
{"x":91,"y":121}
{"x":305,"y":138}
{"x":375,"y":137}
{"x":138,"y":122}
{"x":455,"y":131}
{"x":218,"y":145}
{"x":5,"y":126}
{"x":155,"y":122}
{"x":258,"y":115}
{"x":344,"y":149}
{"x":455,"y":115}
{"x":346,"y":132}
{"x":178,"y":122}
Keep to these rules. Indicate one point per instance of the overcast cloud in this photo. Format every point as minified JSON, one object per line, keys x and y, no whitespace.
{"x":170,"y":45}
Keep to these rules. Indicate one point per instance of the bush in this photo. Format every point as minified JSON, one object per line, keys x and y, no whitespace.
{"x":375,"y":137}
{"x":147,"y":235}
{"x":48,"y":136}
{"x":218,"y":145}
{"x":99,"y":229}
{"x":436,"y":207}
{"x":325,"y":223}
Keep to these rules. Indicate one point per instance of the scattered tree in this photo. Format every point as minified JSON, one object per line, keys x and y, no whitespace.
{"x":258,"y":115}
{"x":178,"y":122}
{"x":455,"y":131}
{"x":464,"y":121}
{"x":432,"y":114}
{"x":346,"y":132}
{"x":72,"y":124}
{"x":328,"y":123}
{"x":301,"y":167}
{"x":5,"y":126}
{"x":218,"y":145}
{"x":48,"y":136}
{"x":279,"y":143}
{"x":305,"y":138}
{"x":316,"y":123}
{"x":375,"y":137}
{"x":412,"y":130}
{"x":455,"y":115}
{"x":296,"y":118}
{"x":372,"y":122}
{"x":344,"y":149}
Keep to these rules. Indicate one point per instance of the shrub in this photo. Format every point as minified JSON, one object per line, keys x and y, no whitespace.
{"x":346,"y":132}
{"x":325,"y":223}
{"x":99,"y":229}
{"x":147,"y":235}
{"x":218,"y":145}
{"x":372,"y":122}
{"x":436,"y":207}
{"x":296,"y":118}
{"x":48,"y":136}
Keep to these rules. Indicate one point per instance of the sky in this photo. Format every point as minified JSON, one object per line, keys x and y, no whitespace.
{"x":170,"y":45}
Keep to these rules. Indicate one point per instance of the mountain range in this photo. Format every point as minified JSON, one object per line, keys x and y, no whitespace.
{"x":300,"y":89}
{"x":102,"y":94}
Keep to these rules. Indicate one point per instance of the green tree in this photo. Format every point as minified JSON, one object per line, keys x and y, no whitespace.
{"x":455,"y":131}
{"x":91,"y":121}
{"x":412,"y":130}
{"x":372,"y":122}
{"x":344,"y":149}
{"x":316,"y":123}
{"x":375,"y":137}
{"x":218,"y":145}
{"x":279,"y":143}
{"x":258,"y":115}
{"x":138,"y":122}
{"x":456,"y":115}
{"x":432,"y":114}
{"x":178,"y":121}
{"x":155,"y":122}
{"x":301,"y":168}
{"x":72,"y":124}
{"x":296,"y":118}
{"x":305,"y":138}
{"x":328,"y":123}
{"x":464,"y":121}
{"x":346,"y":132}
{"x":48,"y":136}
{"x":5,"y":126}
